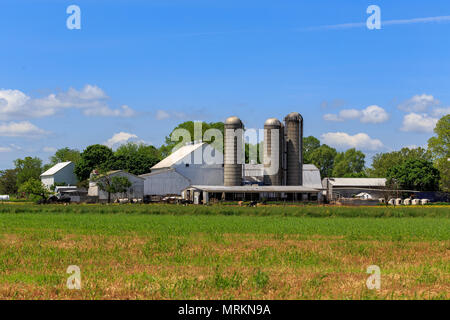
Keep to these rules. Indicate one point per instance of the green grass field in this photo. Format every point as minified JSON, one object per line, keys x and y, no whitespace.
{"x":222,"y":252}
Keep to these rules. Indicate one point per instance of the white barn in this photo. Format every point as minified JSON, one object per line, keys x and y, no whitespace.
{"x":62,"y":172}
{"x":136,"y":191}
{"x":183,"y":168}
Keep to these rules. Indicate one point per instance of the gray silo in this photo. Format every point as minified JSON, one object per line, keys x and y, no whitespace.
{"x":273,"y":150}
{"x":233,"y":152}
{"x":294,"y":136}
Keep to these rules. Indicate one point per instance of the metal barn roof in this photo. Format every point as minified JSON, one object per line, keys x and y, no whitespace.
{"x":254,"y":189}
{"x":57,"y":167}
{"x":357,"y":182}
{"x":177,"y":156}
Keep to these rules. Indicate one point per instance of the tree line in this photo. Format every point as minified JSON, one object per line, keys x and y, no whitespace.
{"x":413,"y":169}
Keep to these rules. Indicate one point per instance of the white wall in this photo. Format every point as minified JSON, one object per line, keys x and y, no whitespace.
{"x":164,"y":183}
{"x":136,"y":190}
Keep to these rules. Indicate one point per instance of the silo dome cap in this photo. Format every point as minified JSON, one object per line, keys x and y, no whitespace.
{"x":293,"y":116}
{"x":233,"y":120}
{"x":272,"y":122}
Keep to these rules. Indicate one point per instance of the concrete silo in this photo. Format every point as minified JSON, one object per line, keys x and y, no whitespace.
{"x":294,"y":144}
{"x":234,"y":157}
{"x":273,"y":152}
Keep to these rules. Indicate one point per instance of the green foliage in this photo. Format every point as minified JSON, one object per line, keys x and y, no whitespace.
{"x":349,"y":164}
{"x":381,"y":162}
{"x":136,"y":158}
{"x":34,"y":187}
{"x":439,"y":146}
{"x":310,"y":144}
{"x":8,"y":181}
{"x":93,"y":157}
{"x":255,"y":148}
{"x":323,"y":159}
{"x":167,"y":149}
{"x":64,"y":155}
{"x":416,"y":174}
{"x":28,"y":168}
{"x":57,"y":184}
{"x":113,"y":184}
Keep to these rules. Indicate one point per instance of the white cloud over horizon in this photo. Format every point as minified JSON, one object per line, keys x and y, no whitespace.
{"x":419,"y":123}
{"x":90,"y":100}
{"x":371,"y":114}
{"x":342,"y":140}
{"x":21,"y":129}
{"x":419,"y":103}
{"x":120,"y":138}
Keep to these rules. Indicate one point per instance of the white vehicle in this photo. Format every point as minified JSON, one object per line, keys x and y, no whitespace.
{"x":4,"y":198}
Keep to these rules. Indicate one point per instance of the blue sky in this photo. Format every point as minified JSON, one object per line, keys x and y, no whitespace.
{"x":138,"y":68}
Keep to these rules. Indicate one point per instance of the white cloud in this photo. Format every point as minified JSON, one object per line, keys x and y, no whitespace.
{"x":371,"y":114}
{"x":120,"y":138}
{"x":342,"y":140}
{"x":162,"y":115}
{"x":5,"y":149}
{"x":440,"y":112}
{"x":374,"y":114}
{"x":20,"y":129}
{"x":92,"y":100}
{"x":414,"y":122}
{"x":49,"y":149}
{"x":419,"y":103}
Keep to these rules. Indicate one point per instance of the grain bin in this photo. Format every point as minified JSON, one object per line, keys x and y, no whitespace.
{"x":233,"y":152}
{"x":294,"y":135}
{"x":273,"y":155}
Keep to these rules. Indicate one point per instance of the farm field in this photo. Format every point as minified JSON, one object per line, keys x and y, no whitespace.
{"x":223,"y":252}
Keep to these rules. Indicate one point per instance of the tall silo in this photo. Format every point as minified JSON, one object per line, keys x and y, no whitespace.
{"x":273,"y":155}
{"x":233,"y":152}
{"x":294,"y":133}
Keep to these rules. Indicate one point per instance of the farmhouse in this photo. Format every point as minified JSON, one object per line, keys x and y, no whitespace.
{"x":61,"y":173}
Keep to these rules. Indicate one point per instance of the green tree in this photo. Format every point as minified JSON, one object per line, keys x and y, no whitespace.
{"x":439,"y":147}
{"x":309,"y":145}
{"x":349,"y":164}
{"x":113,"y":185}
{"x":258,"y":149}
{"x":415,"y":174}
{"x":381,"y":162}
{"x":136,"y":158}
{"x":8,"y":181}
{"x":167,"y":148}
{"x":64,"y":155}
{"x":28,"y":168}
{"x":323,"y":159}
{"x":96,"y":156}
{"x":34,"y":187}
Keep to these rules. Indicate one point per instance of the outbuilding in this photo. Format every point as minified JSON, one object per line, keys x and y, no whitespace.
{"x":60,"y":173}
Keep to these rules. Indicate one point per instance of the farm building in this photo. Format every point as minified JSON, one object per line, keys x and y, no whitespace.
{"x":336,"y":188}
{"x":180,"y":170}
{"x":136,"y":191}
{"x":61,"y":173}
{"x":228,"y":178}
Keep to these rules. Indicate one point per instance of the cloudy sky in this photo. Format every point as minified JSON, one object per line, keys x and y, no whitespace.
{"x":137,"y":68}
